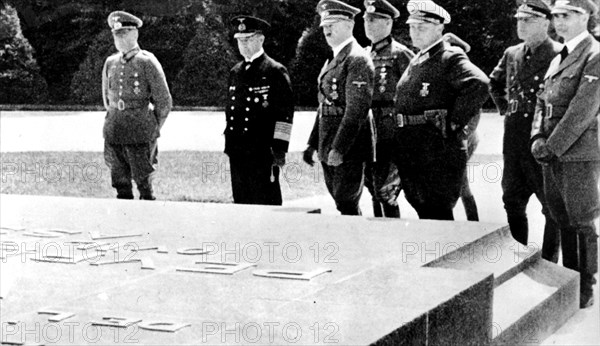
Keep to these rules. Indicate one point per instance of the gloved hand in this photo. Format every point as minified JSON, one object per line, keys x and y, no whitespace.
{"x":541,"y":152}
{"x":278,"y":157}
{"x":308,"y":155}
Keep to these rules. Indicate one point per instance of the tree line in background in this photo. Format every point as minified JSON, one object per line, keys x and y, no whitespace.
{"x":52,"y":52}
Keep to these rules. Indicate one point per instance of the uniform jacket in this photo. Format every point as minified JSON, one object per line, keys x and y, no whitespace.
{"x":390,"y":59}
{"x":136,"y":96}
{"x":568,"y":106}
{"x":443,"y":78}
{"x":514,"y":84}
{"x":260,"y":107}
{"x":343,"y":119}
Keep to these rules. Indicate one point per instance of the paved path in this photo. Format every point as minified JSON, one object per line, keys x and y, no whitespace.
{"x":82,"y":131}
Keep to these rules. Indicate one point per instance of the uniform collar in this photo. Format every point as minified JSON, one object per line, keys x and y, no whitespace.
{"x":256,"y":56}
{"x":381,"y":44}
{"x":341,"y":46}
{"x":130,"y":54}
{"x":426,"y":50}
{"x":576,"y":40}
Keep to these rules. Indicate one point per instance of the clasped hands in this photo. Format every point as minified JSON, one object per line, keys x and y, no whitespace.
{"x":541,"y":152}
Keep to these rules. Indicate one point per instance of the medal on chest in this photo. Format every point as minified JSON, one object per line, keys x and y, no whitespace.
{"x":424,"y":90}
{"x":334,"y":94}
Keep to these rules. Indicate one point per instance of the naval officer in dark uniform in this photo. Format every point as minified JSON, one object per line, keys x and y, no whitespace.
{"x":343,"y":134}
{"x":260,"y":110}
{"x":514,"y":84}
{"x":390,"y":59}
{"x":564,"y":138}
{"x":436,"y":97}
{"x":137,"y":99}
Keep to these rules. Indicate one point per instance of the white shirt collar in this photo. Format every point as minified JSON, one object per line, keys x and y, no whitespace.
{"x":258,"y":54}
{"x":339,"y":47}
{"x":576,"y":40}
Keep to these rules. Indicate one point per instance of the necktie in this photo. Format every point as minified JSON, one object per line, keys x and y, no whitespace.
{"x":563,"y":54}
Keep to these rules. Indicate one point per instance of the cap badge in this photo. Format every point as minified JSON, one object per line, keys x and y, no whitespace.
{"x":370,"y":8}
{"x":117,"y":25}
{"x":242,"y":27}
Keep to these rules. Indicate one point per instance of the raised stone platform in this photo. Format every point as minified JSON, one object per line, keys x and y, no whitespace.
{"x":377,"y":281}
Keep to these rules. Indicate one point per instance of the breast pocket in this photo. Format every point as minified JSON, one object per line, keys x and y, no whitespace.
{"x":568,"y":82}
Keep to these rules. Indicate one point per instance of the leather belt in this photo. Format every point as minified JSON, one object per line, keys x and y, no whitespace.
{"x":403,"y":120}
{"x":327,"y":110}
{"x":131,"y":104}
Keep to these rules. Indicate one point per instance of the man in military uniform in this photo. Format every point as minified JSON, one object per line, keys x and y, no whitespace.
{"x":137,"y":98}
{"x":343,"y":134}
{"x":514,"y":84}
{"x":260,"y":110}
{"x":390,"y":59}
{"x":436,"y":97}
{"x":564,"y":140}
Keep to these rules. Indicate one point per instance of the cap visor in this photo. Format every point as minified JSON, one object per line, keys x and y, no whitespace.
{"x":525,"y":15}
{"x":243,"y":34}
{"x":377,"y":15}
{"x":124,"y":28}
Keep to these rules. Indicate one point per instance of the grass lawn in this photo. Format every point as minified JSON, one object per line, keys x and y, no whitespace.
{"x":181,"y":176}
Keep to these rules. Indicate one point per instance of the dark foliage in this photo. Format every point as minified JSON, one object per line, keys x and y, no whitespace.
{"x":20,"y":80}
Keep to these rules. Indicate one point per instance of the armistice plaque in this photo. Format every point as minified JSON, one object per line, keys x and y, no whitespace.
{"x":364,"y":281}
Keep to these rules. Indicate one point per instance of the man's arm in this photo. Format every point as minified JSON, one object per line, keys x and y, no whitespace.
{"x":497,"y":87}
{"x":582,"y":110}
{"x":470,"y":85}
{"x":159,"y":91}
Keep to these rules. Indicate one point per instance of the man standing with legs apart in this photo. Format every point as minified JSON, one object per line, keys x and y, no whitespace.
{"x":137,"y":99}
{"x":436,"y":97}
{"x":391,"y":59}
{"x":343,"y":133}
{"x":514,"y":84}
{"x":564,"y":140}
{"x":259,"y":113}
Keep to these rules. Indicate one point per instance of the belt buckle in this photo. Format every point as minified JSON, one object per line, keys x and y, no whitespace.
{"x":121,"y":105}
{"x":549,"y":110}
{"x":400,"y":120}
{"x":514,"y":105}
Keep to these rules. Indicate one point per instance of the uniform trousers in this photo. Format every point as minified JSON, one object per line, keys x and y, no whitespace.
{"x":522,"y":177}
{"x":127,"y":161}
{"x":345,"y":184}
{"x":571,"y":190}
{"x":383,"y":182}
{"x":431,"y":169}
{"x":251,"y":175}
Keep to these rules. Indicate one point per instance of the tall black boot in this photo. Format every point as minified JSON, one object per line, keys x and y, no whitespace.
{"x":390,"y":210}
{"x":377,"y":208}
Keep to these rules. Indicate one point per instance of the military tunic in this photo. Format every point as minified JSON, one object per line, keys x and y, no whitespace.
{"x":514,"y":84}
{"x":390,"y":59}
{"x":436,"y":97}
{"x":567,"y":115}
{"x":137,"y":98}
{"x":259,"y":118}
{"x":343,"y":123}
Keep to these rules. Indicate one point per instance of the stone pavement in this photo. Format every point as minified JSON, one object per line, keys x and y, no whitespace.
{"x":81,"y":131}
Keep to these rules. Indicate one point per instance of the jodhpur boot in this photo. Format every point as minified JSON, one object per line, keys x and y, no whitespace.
{"x":377,"y":209}
{"x":588,"y":266}
{"x":124,"y":194}
{"x":146,"y":192}
{"x":391,"y":210}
